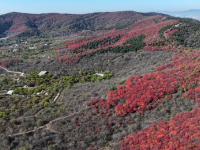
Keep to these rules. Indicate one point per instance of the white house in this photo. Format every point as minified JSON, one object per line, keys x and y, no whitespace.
{"x":14,"y":46}
{"x":42,"y":73}
{"x":14,"y":50}
{"x":22,"y":75}
{"x":100,"y":74}
{"x":32,"y":47}
{"x":10,"y":92}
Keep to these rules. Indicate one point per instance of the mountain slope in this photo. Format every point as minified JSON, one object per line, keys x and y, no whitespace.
{"x":116,"y":81}
{"x":65,"y":23}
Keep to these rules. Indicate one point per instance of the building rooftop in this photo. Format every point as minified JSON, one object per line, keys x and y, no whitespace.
{"x":42,"y":73}
{"x":10,"y":92}
{"x":32,"y":47}
{"x":100,"y":74}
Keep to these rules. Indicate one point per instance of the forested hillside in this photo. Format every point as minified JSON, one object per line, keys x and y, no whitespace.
{"x":119,"y":80}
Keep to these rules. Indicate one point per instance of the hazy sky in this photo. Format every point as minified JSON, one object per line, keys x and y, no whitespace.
{"x":89,"y":6}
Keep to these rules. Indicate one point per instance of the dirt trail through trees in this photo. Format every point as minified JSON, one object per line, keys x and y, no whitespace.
{"x":10,"y":71}
{"x":48,"y":126}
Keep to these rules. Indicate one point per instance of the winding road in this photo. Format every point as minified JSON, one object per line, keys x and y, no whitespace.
{"x":10,"y":71}
{"x":48,"y":126}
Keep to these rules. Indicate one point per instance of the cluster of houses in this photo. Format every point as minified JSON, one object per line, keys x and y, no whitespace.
{"x":31,"y":48}
{"x":15,"y":48}
{"x":10,"y":92}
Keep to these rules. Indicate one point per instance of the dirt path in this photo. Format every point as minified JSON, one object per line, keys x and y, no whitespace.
{"x":48,"y":126}
{"x":20,"y":118}
{"x":10,"y":71}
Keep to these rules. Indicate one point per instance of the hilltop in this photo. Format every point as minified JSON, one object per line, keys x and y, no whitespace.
{"x":63,"y":24}
{"x":117,"y":80}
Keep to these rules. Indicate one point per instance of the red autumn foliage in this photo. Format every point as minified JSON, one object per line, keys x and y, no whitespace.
{"x":10,"y":62}
{"x":70,"y":59}
{"x":19,"y":20}
{"x":181,"y":132}
{"x":148,"y":27}
{"x":143,"y":92}
{"x":108,"y":114}
{"x":168,"y":33}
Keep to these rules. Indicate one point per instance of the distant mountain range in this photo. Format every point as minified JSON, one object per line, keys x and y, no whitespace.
{"x":24,"y":24}
{"x":193,"y":13}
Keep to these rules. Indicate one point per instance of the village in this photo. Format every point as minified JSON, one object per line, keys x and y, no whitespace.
{"x":42,"y":82}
